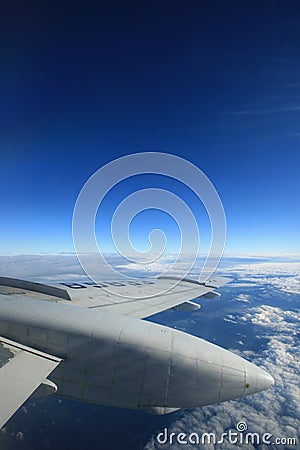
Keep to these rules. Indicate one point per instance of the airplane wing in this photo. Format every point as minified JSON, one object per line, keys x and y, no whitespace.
{"x":22,"y":371}
{"x":134,"y":297}
{"x":142,"y":298}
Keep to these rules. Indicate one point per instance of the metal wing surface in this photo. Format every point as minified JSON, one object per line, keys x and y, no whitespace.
{"x":22,"y":370}
{"x":139,"y":298}
{"x":142,"y":298}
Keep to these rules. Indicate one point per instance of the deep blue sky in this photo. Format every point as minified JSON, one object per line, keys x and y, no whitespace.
{"x":215,"y":82}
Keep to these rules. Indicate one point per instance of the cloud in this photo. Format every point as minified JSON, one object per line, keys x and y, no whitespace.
{"x":293,"y":108}
{"x":230,"y":318}
{"x":243,"y":298}
{"x":36,"y":267}
{"x":20,"y":436}
{"x":64,"y":267}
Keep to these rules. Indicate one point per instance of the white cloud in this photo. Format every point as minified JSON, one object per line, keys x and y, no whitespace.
{"x":243,"y":298}
{"x":20,"y":436}
{"x":285,"y":276}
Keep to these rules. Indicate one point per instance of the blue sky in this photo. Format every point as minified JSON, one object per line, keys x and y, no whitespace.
{"x":214,"y":82}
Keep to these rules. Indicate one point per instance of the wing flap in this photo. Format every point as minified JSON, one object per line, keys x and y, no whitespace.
{"x":22,"y":370}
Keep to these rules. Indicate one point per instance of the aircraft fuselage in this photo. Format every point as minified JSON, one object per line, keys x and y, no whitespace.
{"x":122,"y":361}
